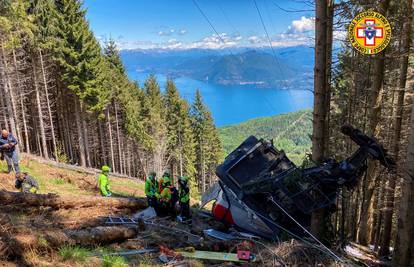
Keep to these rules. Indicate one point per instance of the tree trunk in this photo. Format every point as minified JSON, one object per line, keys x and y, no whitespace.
{"x":18,"y":126}
{"x":68,"y":202}
{"x":395,"y":146}
{"x":18,"y":244}
{"x":80,"y":132}
{"x":40,"y":112}
{"x":111,"y":145}
{"x":373,"y":130}
{"x":320,"y":107}
{"x":49,"y":110}
{"x":85,"y":136}
{"x":118,"y":138}
{"x":101,"y":136}
{"x":405,"y":232}
{"x":328,"y":65}
{"x":8,"y":92}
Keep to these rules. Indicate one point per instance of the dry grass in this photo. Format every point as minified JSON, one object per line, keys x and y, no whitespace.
{"x":29,"y":222}
{"x":68,"y":182}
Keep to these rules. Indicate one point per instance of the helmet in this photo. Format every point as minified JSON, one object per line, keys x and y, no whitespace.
{"x":106,"y":168}
{"x":183,"y":179}
{"x":166,"y":174}
{"x":152,"y":174}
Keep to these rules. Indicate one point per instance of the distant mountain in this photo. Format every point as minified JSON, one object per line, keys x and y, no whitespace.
{"x":290,"y":132}
{"x":251,"y":67}
{"x":292,"y":69}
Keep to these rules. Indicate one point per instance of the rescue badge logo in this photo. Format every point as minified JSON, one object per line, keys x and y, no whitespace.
{"x":369,"y":32}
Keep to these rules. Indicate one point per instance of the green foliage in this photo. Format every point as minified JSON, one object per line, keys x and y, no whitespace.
{"x":15,"y":23}
{"x":46,"y":19}
{"x":152,"y":112}
{"x":290,"y":132}
{"x":62,"y":157}
{"x":207,"y":143}
{"x":180,"y":139}
{"x":113,"y":261}
{"x":58,"y":181}
{"x":79,"y":55}
{"x":74,"y":253}
{"x":112,"y":54}
{"x":158,"y":125}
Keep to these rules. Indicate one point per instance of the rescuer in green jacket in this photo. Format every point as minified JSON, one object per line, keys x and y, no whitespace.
{"x":167,"y":198}
{"x":164,"y":197}
{"x":184,"y":197}
{"x":166,"y":176}
{"x":103,"y":181}
{"x":151,"y":189}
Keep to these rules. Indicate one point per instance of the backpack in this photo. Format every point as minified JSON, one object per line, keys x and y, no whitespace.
{"x":174,"y":195}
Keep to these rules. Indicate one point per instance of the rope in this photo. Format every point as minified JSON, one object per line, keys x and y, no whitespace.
{"x":306,"y":231}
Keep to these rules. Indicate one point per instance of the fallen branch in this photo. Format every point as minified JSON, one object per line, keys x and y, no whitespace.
{"x":71,"y":167}
{"x":66,"y":202}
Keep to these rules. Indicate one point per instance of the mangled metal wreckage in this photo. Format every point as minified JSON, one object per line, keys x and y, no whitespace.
{"x":261,"y":191}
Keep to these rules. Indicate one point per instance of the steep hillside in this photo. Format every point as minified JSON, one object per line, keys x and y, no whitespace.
{"x":290,"y":132}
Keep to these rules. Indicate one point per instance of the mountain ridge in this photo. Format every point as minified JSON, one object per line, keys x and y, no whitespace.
{"x":291,"y":68}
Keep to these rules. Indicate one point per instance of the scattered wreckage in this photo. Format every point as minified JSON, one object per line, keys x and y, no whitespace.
{"x":262,"y":192}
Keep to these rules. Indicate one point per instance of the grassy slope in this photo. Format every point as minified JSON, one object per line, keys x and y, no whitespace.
{"x":67,"y":182}
{"x":290,"y":132}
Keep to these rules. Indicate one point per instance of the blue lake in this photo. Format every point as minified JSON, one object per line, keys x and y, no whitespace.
{"x":235,"y":104}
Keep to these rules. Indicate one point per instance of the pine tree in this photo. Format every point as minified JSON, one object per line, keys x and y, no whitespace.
{"x":153,"y":115}
{"x":79,"y":55}
{"x":179,"y":134}
{"x":112,"y":55}
{"x":208,"y":147}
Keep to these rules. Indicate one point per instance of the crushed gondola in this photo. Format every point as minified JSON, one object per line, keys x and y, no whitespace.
{"x":261,"y":191}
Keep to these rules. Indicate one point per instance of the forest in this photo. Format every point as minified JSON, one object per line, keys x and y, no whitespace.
{"x":67,"y":98}
{"x":375,"y":94}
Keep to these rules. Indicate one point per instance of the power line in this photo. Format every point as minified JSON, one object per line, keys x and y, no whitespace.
{"x":211,"y":24}
{"x":270,"y":42}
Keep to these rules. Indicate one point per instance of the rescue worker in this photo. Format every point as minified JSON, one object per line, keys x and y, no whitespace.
{"x":103,"y":182}
{"x":184,"y":197}
{"x":8,"y":150}
{"x":166,"y":176}
{"x":164,"y":196}
{"x":151,"y":189}
{"x":167,"y":198}
{"x":26,"y":183}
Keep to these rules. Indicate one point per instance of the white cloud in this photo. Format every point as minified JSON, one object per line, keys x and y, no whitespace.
{"x":256,"y":40}
{"x":182,"y":32}
{"x":170,"y":32}
{"x":302,"y":25}
{"x":300,"y":32}
{"x":164,"y":33}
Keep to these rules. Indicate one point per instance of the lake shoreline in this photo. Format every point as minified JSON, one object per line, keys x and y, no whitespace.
{"x":234,"y":104}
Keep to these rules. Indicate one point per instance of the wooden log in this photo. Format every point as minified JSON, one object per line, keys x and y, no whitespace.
{"x":17,"y":244}
{"x":67,"y":202}
{"x":92,"y":236}
{"x":91,"y":171}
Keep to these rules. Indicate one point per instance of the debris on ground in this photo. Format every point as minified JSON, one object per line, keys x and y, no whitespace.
{"x":35,"y":230}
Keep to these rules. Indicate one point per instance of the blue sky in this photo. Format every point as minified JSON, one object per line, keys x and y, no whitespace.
{"x":178,"y":24}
